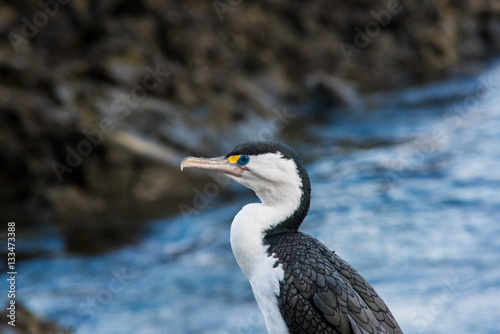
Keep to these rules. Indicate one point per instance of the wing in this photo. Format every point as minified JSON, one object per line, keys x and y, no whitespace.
{"x":378,"y":307}
{"x":315,"y":297}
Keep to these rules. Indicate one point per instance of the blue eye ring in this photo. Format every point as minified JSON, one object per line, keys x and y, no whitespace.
{"x":243,"y":160}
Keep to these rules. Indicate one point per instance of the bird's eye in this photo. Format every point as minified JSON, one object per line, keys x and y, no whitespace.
{"x":243,"y":160}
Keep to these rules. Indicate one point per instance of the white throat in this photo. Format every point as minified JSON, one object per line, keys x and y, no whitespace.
{"x":280,"y":196}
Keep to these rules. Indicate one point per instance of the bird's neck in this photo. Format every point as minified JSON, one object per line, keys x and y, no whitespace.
{"x":257,"y":220}
{"x":292,"y":201}
{"x":248,"y":231}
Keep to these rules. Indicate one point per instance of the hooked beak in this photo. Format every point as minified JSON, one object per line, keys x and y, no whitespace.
{"x":219,"y":164}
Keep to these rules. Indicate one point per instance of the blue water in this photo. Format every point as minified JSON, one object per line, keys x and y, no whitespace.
{"x":407,"y":191}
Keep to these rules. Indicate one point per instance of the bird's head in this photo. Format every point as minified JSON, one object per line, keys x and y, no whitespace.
{"x":271,"y":169}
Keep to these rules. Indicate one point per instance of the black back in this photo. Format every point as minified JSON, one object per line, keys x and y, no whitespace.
{"x":321,"y":293}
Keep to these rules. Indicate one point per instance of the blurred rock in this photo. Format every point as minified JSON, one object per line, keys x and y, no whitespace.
{"x":90,"y":91}
{"x":326,"y":92}
{"x":28,"y":323}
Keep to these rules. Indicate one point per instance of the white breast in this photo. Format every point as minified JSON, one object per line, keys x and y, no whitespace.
{"x":266,"y":287}
{"x":258,"y":267}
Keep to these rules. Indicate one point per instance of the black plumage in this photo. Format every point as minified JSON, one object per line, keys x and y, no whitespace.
{"x":321,"y":293}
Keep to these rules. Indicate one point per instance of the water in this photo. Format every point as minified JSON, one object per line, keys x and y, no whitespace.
{"x":407,"y":193}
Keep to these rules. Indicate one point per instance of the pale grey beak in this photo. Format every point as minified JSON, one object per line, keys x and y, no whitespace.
{"x":219,"y":164}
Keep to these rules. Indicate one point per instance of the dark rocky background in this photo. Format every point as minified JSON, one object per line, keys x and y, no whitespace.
{"x":76,"y":76}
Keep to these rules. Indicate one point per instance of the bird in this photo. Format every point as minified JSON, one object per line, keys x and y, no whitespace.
{"x":300,"y":285}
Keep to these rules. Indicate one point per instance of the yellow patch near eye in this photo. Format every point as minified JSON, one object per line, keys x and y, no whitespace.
{"x":234,"y":158}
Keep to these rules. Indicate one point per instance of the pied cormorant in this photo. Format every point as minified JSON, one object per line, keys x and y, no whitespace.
{"x":300,"y":285}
